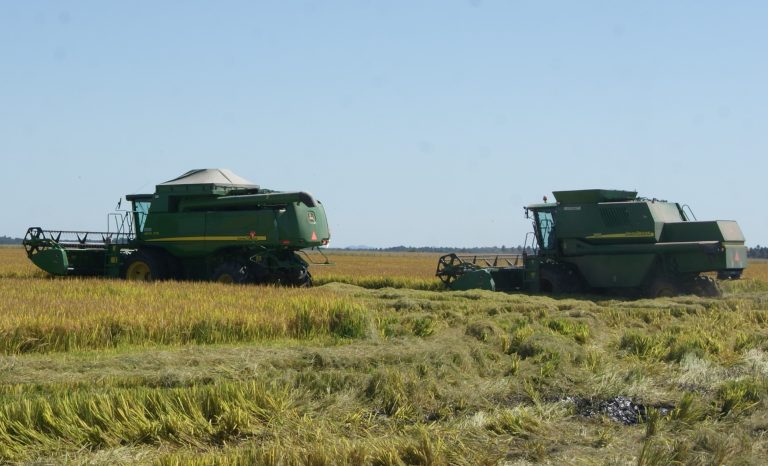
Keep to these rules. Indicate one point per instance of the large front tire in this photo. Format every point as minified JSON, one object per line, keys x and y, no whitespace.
{"x":230,"y":272}
{"x":554,"y":280}
{"x":662,"y":287}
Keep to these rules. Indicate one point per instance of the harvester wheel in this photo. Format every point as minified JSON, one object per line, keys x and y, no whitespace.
{"x":304,"y":280}
{"x":662,"y":287}
{"x":706,"y":287}
{"x":559,"y":281}
{"x":300,"y":278}
{"x":230,"y":272}
{"x":144,"y":266}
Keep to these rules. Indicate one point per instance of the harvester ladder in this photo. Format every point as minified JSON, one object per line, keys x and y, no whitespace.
{"x":122,"y":221}
{"x":531,"y":236}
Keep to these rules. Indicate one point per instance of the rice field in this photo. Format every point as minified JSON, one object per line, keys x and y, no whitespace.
{"x":375,"y":366}
{"x":380,"y":270}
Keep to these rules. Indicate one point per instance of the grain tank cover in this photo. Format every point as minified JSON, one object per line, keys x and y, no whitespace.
{"x":209,"y":177}
{"x":593,"y":196}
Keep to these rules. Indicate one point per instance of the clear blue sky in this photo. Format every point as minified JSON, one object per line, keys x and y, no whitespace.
{"x":415,"y":122}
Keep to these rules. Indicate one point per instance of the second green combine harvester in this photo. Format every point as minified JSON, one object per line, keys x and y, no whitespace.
{"x":204,"y":225}
{"x":609,"y":241}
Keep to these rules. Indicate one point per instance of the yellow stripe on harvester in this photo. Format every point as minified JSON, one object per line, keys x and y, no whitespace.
{"x":629,"y":234}
{"x":211,"y":238}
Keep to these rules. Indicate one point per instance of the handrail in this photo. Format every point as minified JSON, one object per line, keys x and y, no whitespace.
{"x":122,"y":222}
{"x":690,"y":211}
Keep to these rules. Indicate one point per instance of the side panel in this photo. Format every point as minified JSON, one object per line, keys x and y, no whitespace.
{"x":480,"y":279}
{"x":680,"y":257}
{"x":195,"y":234}
{"x":52,"y":260}
{"x":720,"y":230}
{"x":620,"y":270}
{"x":181,"y":234}
{"x":191,"y":234}
{"x":710,"y":258}
{"x":240,"y":228}
{"x":610,"y":223}
{"x":508,"y":279}
{"x":88,"y":262}
{"x":735,"y":257}
{"x":79,"y":262}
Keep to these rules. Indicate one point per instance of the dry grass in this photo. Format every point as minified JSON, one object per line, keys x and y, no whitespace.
{"x":380,"y":270}
{"x":411,"y":265}
{"x":42,"y":315}
{"x":14,"y":263}
{"x":757,"y":270}
{"x":110,"y":372}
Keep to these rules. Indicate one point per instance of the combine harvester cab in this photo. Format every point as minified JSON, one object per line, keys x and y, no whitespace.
{"x":204,"y":225}
{"x":610,"y":241}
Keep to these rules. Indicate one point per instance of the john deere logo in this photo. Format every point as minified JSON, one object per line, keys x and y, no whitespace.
{"x":311,"y":217}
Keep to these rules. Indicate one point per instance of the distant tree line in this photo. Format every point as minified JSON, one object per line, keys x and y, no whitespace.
{"x":437,"y":249}
{"x":9,"y":240}
{"x":758,"y":252}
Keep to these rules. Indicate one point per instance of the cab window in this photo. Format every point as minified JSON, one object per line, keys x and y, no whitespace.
{"x":545,"y":224}
{"x":141,"y":208}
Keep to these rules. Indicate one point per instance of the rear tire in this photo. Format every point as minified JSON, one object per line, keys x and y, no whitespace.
{"x":305,"y":280}
{"x":662,"y":287}
{"x":145,"y":265}
{"x":706,"y":287}
{"x":300,"y":278}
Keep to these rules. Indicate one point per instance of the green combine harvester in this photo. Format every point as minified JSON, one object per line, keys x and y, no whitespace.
{"x":609,"y":241}
{"x":204,"y":225}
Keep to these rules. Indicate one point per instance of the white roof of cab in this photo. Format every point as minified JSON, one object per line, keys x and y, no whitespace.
{"x":220,"y":176}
